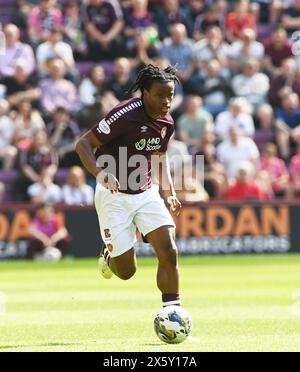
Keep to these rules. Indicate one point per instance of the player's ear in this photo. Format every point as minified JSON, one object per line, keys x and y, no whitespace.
{"x":146,"y":93}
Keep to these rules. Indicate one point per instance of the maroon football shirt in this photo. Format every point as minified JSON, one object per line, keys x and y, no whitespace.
{"x":126,"y":133}
{"x":103,"y":16}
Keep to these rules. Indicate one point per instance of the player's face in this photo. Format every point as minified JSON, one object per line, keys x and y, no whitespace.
{"x":45,"y":213}
{"x":159,"y":98}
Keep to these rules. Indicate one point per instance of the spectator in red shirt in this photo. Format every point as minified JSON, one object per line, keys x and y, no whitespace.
{"x":276,"y":170}
{"x":245,"y":187}
{"x":238,"y":20}
{"x":49,"y":238}
{"x":295,"y":174}
{"x":277,"y":49}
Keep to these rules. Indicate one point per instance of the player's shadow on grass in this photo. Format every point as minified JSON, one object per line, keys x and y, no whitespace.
{"x":5,"y":347}
{"x":153,"y":344}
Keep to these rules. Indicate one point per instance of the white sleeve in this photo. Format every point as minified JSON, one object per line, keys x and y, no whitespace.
{"x":30,"y":59}
{"x":89,"y":195}
{"x":253,"y":150}
{"x":234,"y":50}
{"x":250,"y":127}
{"x":260,"y":51}
{"x":57,"y":193}
{"x":241,"y":86}
{"x":222,"y":126}
{"x":67,"y":52}
{"x":41,"y":54}
{"x":65,"y":192}
{"x":220,"y":153}
{"x":86,"y":93}
{"x":263,"y":84}
{"x":34,"y":190}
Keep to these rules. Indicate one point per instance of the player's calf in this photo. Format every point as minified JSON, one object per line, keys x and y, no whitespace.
{"x":124,"y":266}
{"x":169,"y":255}
{"x":168,"y":276}
{"x":163,"y":241}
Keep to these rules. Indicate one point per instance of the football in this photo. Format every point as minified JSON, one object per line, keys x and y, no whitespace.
{"x":173,"y":325}
{"x":50,"y":254}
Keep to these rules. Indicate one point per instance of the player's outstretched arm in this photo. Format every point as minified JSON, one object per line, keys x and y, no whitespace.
{"x":85,"y":149}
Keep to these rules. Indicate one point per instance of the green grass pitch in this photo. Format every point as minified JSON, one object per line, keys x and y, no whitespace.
{"x":237,"y":304}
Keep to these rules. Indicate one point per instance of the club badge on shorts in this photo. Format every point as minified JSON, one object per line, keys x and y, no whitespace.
{"x":110,"y":247}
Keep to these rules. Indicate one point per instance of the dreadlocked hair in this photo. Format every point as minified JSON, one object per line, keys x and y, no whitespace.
{"x":152,"y":73}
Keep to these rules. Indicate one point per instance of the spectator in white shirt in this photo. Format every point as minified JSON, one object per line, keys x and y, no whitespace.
{"x":14,"y":51}
{"x":52,"y":49}
{"x":76,"y":191}
{"x":179,"y":50}
{"x":247,"y":47}
{"x":92,"y":87}
{"x":212,"y":47}
{"x":235,"y":150}
{"x":213,"y":87}
{"x":8,"y":153}
{"x":252,"y":84}
{"x":28,"y":122}
{"x":237,"y":117}
{"x":194,"y":123}
{"x":45,"y":191}
{"x":57,"y":91}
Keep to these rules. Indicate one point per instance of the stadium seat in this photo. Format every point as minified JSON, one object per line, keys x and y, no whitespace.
{"x":84,"y":68}
{"x":7,"y":13}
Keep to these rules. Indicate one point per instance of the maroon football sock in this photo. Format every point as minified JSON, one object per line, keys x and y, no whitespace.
{"x":171,"y":299}
{"x":107,"y":257}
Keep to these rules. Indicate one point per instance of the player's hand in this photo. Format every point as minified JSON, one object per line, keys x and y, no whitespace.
{"x":175,"y":205}
{"x":47,"y":242}
{"x":108,"y":181}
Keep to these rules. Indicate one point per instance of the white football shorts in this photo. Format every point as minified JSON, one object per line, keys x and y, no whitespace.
{"x":120,"y":215}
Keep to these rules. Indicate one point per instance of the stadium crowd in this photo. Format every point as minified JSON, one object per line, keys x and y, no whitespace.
{"x":65,"y":64}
